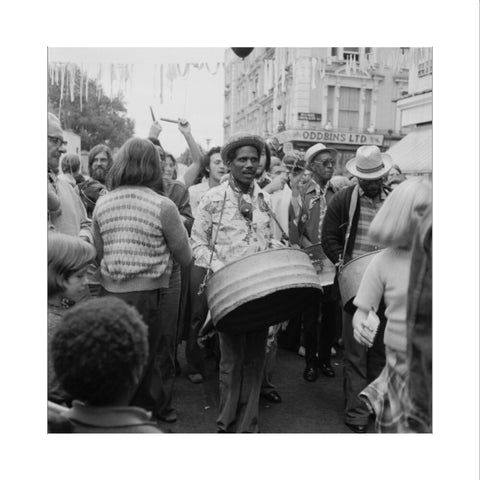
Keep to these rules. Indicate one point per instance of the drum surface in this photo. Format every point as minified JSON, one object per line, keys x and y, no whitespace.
{"x":261,"y":289}
{"x":323,"y":266}
{"x":350,"y":275}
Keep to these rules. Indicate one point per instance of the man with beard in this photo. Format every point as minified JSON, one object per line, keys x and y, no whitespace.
{"x":99,"y":163}
{"x":66,"y":213}
{"x":232,"y":222}
{"x":345,"y":237}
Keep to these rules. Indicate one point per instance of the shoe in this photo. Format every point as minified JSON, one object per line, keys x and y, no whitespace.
{"x":272,"y":397}
{"x":327,"y":370}
{"x":169,"y":417}
{"x":310,"y":374}
{"x":195,"y":377}
{"x":356,"y":428}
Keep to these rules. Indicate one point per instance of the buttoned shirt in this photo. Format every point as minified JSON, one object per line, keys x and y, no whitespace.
{"x":237,"y":236}
{"x":196,"y":193}
{"x":368,"y":209}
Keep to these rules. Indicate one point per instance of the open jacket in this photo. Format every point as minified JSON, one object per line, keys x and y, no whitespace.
{"x":310,"y":212}
{"x":335,"y":225}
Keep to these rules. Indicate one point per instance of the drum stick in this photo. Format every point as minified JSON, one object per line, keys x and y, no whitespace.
{"x":153,"y":116}
{"x":168,"y":120}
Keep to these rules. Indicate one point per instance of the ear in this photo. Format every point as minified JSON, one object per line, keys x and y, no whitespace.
{"x":63,"y":281}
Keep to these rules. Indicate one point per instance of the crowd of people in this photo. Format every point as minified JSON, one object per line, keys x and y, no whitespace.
{"x":133,"y":244}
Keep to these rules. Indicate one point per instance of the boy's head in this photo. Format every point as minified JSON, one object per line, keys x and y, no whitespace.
{"x":68,"y":260}
{"x":99,"y":351}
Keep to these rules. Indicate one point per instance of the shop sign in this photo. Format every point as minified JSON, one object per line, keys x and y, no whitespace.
{"x":311,"y":117}
{"x":330,"y":136}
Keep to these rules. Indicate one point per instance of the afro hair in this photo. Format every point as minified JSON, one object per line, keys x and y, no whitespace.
{"x":100,"y":350}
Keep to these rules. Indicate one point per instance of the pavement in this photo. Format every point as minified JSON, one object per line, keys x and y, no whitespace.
{"x":307,"y":407}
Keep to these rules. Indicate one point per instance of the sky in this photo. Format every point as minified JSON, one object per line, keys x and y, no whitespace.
{"x":198,"y":96}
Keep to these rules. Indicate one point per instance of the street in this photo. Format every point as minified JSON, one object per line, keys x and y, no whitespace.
{"x":306,"y":407}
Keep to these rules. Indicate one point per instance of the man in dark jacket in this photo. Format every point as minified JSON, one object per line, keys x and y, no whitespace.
{"x":345,"y":237}
{"x":315,"y":196}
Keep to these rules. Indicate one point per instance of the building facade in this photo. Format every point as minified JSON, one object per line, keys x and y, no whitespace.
{"x":413,"y":153}
{"x":340,"y":96}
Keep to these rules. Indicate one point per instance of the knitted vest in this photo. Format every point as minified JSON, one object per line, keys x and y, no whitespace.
{"x":135,"y":255}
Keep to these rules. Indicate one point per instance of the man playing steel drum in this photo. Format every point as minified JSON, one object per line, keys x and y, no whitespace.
{"x":232,"y":221}
{"x":344,"y":237}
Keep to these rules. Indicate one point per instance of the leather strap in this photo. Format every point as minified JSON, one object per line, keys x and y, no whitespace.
{"x":351,"y":213}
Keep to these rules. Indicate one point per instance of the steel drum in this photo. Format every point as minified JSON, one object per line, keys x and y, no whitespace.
{"x":350,"y":275}
{"x":261,"y":289}
{"x":323,"y":266}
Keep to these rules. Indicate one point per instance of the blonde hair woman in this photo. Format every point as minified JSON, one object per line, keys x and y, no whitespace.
{"x":387,"y":277}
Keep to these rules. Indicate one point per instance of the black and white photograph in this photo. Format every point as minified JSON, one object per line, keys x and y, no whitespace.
{"x":241,"y":240}
{"x":263,"y":217}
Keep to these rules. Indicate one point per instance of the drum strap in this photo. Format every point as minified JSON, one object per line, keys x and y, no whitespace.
{"x":212,"y":247}
{"x":351,"y":213}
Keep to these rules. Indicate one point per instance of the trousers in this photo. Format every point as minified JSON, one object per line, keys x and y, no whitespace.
{"x":195,"y":355}
{"x":150,"y":393}
{"x":242,"y":359}
{"x":319,"y":337}
{"x":361,"y":366}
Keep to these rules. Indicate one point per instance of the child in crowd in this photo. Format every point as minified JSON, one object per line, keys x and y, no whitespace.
{"x":68,"y":260}
{"x":387,"y":276}
{"x":99,"y":352}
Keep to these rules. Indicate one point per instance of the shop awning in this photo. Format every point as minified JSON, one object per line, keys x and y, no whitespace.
{"x":413,"y":153}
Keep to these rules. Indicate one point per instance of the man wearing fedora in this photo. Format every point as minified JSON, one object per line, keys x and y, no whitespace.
{"x":345,"y":237}
{"x":315,"y":196}
{"x":232,"y":222}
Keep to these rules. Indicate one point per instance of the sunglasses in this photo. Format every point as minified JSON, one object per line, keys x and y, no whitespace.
{"x":57,"y":141}
{"x":325,"y":163}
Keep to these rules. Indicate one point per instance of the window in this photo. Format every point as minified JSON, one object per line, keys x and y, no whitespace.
{"x":350,"y":53}
{"x":368,"y":104}
{"x":334,"y":51}
{"x":348,"y":107}
{"x":330,"y":103}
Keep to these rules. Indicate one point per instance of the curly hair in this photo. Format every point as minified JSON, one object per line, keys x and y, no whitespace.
{"x":100,"y":350}
{"x":205,"y":163}
{"x":66,"y":255}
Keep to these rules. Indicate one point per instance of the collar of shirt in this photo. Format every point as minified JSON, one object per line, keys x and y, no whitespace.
{"x":107,"y":416}
{"x":382,"y":195}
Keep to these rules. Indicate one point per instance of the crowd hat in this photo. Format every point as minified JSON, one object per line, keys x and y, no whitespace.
{"x":369,"y":163}
{"x":316,"y":149}
{"x":54,"y":128}
{"x":241,"y":139}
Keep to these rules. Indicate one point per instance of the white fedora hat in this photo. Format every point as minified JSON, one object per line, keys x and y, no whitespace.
{"x":315,"y":150}
{"x":369,"y":163}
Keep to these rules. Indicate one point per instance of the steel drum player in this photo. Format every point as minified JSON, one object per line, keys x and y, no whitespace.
{"x":233,"y":222}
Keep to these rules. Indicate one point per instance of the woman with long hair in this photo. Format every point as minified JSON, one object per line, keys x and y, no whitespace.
{"x":138,"y":233}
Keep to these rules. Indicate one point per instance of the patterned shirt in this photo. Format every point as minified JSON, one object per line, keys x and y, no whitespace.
{"x":196,"y":193}
{"x":368,"y":209}
{"x":237,"y":236}
{"x":322,"y":195}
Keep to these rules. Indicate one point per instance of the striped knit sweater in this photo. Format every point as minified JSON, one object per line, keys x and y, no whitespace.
{"x":135,"y":232}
